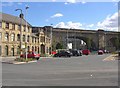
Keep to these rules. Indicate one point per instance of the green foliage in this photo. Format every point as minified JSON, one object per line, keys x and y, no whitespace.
{"x":59,"y":46}
{"x":24,"y":59}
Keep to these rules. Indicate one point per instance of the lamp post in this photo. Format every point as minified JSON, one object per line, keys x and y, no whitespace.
{"x":75,"y":38}
{"x":51,"y":39}
{"x":26,"y":34}
{"x":105,"y":41}
{"x":67,"y":39}
{"x":20,"y":30}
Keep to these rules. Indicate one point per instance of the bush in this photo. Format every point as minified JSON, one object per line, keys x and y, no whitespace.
{"x":24,"y":59}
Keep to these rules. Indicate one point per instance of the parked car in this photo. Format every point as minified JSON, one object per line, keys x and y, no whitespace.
{"x":86,"y":52}
{"x":100,"y":52}
{"x":31,"y":54}
{"x":76,"y":52}
{"x":54,"y":52}
{"x":63,"y":54}
{"x":106,"y":51}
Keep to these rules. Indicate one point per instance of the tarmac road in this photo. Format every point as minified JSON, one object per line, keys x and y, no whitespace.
{"x":89,"y":70}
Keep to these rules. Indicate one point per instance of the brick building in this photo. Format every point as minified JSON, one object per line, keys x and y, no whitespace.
{"x":10,"y":27}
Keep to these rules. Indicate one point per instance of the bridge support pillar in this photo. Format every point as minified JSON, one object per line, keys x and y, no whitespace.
{"x":101,"y":39}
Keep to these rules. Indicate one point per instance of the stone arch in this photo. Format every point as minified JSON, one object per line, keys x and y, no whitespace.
{"x":93,"y":45}
{"x":113,"y":42}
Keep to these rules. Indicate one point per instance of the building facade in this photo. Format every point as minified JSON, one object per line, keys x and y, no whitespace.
{"x":11,"y":29}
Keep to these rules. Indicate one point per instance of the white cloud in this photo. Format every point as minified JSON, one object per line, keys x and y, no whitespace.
{"x":57,"y":15}
{"x":71,"y":1}
{"x":91,"y":25}
{"x":54,"y":16}
{"x":19,"y":3}
{"x":66,"y":3}
{"x":83,"y":2}
{"x":110,"y":23}
{"x":70,"y":24}
{"x":53,"y":0}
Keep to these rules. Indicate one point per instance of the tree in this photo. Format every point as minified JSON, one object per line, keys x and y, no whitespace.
{"x":59,"y":46}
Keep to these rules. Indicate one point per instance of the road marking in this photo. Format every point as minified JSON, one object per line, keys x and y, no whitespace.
{"x":110,"y":58}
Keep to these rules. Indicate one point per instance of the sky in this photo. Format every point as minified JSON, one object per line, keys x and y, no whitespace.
{"x":69,"y":14}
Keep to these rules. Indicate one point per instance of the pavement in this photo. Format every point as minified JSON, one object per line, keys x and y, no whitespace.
{"x":11,"y":60}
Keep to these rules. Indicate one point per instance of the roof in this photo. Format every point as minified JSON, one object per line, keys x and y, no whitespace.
{"x":13,"y":19}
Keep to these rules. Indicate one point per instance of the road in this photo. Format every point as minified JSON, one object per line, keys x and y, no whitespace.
{"x":89,"y":70}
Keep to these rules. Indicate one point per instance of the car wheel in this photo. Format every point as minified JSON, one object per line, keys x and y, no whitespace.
{"x":37,"y":58}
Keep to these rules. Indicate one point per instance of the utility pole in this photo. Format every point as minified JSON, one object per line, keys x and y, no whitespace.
{"x":51,"y":38}
{"x":20,"y":30}
{"x":26,"y":35}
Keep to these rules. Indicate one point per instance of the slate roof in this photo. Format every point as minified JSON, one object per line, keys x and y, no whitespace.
{"x":12,"y":19}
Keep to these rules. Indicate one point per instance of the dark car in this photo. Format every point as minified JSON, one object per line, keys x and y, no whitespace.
{"x":31,"y":54}
{"x":76,"y":52}
{"x":63,"y":54}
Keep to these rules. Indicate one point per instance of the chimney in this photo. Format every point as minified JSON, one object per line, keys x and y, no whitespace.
{"x":21,"y":16}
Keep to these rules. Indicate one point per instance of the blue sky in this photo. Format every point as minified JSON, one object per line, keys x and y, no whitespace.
{"x":86,"y":15}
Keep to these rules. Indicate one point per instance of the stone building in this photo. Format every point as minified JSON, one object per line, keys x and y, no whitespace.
{"x":10,"y":31}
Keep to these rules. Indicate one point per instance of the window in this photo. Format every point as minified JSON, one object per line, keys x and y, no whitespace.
{"x":42,"y":39}
{"x":18,"y":37}
{"x":38,"y":49}
{"x":0,"y":36}
{"x":38,"y":40}
{"x":32,"y":39}
{"x":19,"y":27}
{"x":7,"y":25}
{"x":35,"y":40}
{"x":0,"y":50}
{"x":6,"y":36}
{"x":0,"y":24}
{"x":28,"y":38}
{"x":12,"y":37}
{"x":28,"y":29}
{"x":6,"y":50}
{"x":28,"y":48}
{"x":12,"y":50}
{"x":24,"y":28}
{"x":32,"y":48}
{"x":35,"y":48}
{"x":13,"y":26}
{"x":23,"y":38}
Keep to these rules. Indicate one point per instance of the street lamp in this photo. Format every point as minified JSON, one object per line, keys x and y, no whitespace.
{"x":67,"y":39}
{"x":75,"y":38}
{"x":51,"y":39}
{"x":20,"y":30}
{"x":26,"y":34}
